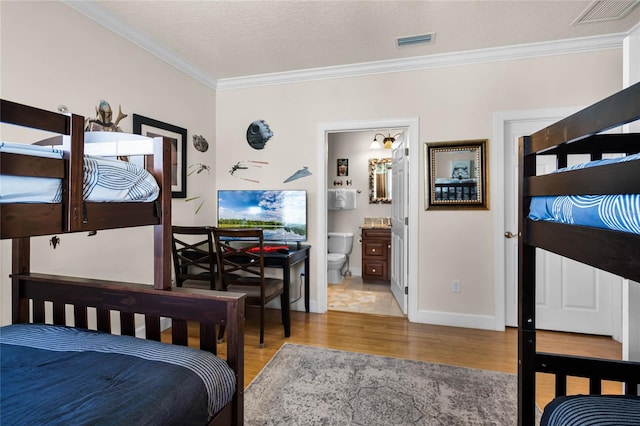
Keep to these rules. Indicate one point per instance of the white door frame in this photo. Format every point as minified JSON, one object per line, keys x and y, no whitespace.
{"x":412,"y":124}
{"x":500,"y":121}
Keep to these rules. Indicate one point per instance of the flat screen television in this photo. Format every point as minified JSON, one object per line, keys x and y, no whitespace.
{"x":281,"y":214}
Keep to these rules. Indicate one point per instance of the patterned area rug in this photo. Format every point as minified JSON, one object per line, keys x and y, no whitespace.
{"x":304,"y":385}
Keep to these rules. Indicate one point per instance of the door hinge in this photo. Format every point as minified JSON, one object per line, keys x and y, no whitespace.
{"x":406,"y":152}
{"x":406,"y":290}
{"x":406,"y":221}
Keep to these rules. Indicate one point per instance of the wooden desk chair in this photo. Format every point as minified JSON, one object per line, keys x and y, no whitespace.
{"x":193,"y":261}
{"x":241,"y":269}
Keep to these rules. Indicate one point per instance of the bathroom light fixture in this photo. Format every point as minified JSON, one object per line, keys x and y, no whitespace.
{"x":387,"y":142}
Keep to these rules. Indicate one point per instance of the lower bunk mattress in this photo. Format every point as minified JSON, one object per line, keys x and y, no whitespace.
{"x":583,"y":410}
{"x":618,"y":212}
{"x":105,"y":180}
{"x":62,"y":375}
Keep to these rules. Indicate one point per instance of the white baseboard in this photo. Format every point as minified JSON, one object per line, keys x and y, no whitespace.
{"x":482,"y":322}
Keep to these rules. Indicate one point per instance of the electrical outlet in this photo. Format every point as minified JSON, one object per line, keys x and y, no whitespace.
{"x":455,"y":286}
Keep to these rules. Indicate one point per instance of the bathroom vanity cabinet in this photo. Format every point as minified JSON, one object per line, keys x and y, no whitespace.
{"x":376,"y":255}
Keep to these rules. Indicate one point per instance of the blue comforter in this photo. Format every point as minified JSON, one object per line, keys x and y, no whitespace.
{"x":61,"y":375}
{"x":616,"y":212}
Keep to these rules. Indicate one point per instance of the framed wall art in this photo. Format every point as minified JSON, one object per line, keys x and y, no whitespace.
{"x":456,"y":175}
{"x":343,"y":167}
{"x":153,"y":128}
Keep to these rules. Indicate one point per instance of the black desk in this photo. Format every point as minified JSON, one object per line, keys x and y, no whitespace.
{"x":286,"y":261}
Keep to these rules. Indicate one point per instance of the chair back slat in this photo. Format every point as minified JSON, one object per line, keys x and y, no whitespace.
{"x":193,"y":254}
{"x":240,"y":254}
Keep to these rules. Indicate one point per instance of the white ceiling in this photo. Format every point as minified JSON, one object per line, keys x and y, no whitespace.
{"x":227,"y":39}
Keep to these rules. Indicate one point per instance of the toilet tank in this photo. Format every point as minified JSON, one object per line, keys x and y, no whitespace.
{"x":340,"y":242}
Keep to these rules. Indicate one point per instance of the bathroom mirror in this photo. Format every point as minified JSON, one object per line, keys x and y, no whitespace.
{"x":456,"y":175}
{"x":379,"y":180}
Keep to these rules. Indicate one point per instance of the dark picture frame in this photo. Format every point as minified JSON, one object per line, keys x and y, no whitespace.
{"x":342,"y":167}
{"x":149,"y":127}
{"x":456,"y":175}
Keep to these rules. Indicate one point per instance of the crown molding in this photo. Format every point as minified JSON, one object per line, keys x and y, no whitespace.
{"x":522,"y":51}
{"x":100,"y":15}
{"x":506,"y":53}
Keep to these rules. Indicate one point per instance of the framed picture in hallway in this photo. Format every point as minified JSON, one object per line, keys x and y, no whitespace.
{"x":455,"y":176}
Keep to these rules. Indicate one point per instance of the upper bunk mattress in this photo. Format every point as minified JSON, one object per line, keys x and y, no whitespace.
{"x":105,"y":180}
{"x":618,"y":212}
{"x":61,"y":375}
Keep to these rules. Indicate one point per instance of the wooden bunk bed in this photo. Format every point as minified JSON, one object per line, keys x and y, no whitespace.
{"x":615,"y":251}
{"x":106,"y":306}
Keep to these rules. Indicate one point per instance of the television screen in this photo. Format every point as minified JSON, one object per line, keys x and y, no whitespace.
{"x":282,"y":215}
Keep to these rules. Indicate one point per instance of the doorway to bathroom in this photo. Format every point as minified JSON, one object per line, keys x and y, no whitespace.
{"x":348,"y":144}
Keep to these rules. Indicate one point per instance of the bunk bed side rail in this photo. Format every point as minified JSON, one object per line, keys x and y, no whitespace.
{"x":35,"y":118}
{"x":619,"y":178}
{"x":618,"y":109}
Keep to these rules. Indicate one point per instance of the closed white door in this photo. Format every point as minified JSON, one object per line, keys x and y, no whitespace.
{"x":399,"y":259}
{"x":570,"y":296}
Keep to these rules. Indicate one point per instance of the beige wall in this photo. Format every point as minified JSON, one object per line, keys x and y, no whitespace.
{"x":452,"y":103}
{"x":52,"y":55}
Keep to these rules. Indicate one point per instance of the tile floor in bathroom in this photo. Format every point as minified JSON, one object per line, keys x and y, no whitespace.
{"x":352,"y":295}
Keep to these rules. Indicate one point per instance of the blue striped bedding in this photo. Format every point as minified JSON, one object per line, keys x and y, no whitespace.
{"x":105,"y":180}
{"x":62,"y":375}
{"x":616,"y":212}
{"x":585,"y":410}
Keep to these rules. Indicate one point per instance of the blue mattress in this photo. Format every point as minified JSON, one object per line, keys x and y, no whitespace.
{"x":584,"y":410}
{"x":105,"y":180}
{"x":616,"y":212}
{"x":61,"y":375}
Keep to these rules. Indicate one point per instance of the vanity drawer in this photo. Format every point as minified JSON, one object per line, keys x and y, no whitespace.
{"x":375,"y":270}
{"x":374,"y":248}
{"x":382,"y":233}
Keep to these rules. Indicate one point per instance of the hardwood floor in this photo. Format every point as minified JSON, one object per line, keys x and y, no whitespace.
{"x":396,"y":337}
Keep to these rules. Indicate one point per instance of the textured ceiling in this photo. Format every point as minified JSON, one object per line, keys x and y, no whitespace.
{"x":227,"y":39}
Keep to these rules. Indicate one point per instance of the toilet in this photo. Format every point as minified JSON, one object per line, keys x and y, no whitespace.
{"x":339,"y":247}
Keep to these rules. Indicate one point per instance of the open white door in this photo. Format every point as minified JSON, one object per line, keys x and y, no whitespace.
{"x":399,"y":189}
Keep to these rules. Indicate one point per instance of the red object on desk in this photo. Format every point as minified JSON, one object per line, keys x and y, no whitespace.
{"x":268,"y":249}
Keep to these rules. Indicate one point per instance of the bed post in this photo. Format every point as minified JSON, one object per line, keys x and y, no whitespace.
{"x":20,"y":264}
{"x":161,"y":170}
{"x":526,"y":295}
{"x":72,"y":193}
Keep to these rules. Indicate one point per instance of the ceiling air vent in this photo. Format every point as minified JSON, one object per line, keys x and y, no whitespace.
{"x":416,"y":39}
{"x":606,"y":10}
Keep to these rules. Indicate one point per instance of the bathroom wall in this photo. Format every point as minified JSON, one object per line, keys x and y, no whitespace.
{"x":354,"y":146}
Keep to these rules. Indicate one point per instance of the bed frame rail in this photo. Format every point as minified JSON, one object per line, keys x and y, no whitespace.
{"x":72,"y":299}
{"x":595,"y":369}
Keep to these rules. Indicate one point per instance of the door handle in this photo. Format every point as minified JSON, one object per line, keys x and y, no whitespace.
{"x":510,"y":234}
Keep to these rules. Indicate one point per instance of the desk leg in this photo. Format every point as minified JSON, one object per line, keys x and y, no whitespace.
{"x":307,"y":272}
{"x":286,"y":309}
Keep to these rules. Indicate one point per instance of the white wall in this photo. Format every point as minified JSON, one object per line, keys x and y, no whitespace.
{"x":52,"y":55}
